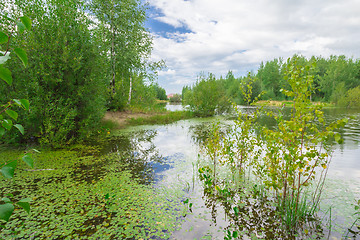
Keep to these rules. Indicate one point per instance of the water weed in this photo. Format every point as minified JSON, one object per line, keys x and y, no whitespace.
{"x":79,"y":196}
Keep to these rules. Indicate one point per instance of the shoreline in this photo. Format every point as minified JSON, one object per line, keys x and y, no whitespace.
{"x":121,"y":119}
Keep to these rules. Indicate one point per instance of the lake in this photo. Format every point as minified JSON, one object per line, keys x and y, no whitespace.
{"x":85,"y":188}
{"x":177,"y":144}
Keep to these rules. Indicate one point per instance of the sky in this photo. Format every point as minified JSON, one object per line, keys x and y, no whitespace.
{"x":215,"y":36}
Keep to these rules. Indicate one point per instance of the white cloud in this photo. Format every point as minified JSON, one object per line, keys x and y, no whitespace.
{"x":238,"y":34}
{"x":167,"y":72}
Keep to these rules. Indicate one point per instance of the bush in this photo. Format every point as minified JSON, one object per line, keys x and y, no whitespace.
{"x":207,"y":97}
{"x":64,"y":80}
{"x":351,"y":99}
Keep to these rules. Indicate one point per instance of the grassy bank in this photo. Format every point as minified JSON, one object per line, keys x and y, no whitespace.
{"x":117,"y":120}
{"x":166,"y":118}
{"x":287,"y":103}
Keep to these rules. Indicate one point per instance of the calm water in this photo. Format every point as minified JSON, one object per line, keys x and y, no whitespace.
{"x":174,"y":107}
{"x":171,"y":152}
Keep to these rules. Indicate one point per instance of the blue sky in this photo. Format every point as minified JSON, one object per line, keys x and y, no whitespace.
{"x":216,"y":36}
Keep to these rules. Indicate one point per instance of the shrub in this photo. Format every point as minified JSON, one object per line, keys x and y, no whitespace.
{"x":351,"y":99}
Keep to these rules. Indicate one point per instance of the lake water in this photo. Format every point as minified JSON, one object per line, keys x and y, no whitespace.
{"x":171,"y":152}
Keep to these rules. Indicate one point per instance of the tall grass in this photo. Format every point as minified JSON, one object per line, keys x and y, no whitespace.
{"x":165,"y":118}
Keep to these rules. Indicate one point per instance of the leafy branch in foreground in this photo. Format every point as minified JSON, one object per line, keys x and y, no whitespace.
{"x":8,"y":116}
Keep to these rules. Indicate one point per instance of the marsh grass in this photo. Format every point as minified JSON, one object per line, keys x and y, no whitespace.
{"x":165,"y":118}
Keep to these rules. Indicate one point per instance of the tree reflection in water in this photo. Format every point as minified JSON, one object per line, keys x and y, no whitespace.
{"x":135,"y":151}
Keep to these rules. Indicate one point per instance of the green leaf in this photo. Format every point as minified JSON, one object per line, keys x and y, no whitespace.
{"x":6,"y":200}
{"x":5,"y":75}
{"x":20,"y":128}
{"x":22,"y":55}
{"x":21,"y":27}
{"x":25,"y":204}
{"x":14,"y":115}
{"x":6,"y":210}
{"x":17,"y":101}
{"x":107,"y":196}
{"x":25,"y":103}
{"x":28,"y":160}
{"x":235,"y":234}
{"x":337,"y":137}
{"x":2,"y":131}
{"x":7,"y":124}
{"x":26,"y":21}
{"x":236,"y":210}
{"x":3,"y":38}
{"x":9,"y":169}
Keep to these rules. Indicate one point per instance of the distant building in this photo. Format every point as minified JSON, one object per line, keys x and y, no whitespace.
{"x":171,"y":95}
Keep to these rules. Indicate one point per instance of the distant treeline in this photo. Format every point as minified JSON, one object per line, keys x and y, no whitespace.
{"x":335,"y":79}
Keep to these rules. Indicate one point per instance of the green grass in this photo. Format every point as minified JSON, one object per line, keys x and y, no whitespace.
{"x":166,"y":118}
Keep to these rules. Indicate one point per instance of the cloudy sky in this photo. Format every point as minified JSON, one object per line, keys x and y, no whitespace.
{"x":216,"y":36}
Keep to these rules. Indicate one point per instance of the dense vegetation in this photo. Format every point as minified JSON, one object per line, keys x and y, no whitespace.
{"x":84,"y":58}
{"x":336,"y":79}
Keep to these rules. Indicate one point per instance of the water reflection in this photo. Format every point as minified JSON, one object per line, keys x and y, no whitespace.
{"x":137,"y":152}
{"x":174,"y":107}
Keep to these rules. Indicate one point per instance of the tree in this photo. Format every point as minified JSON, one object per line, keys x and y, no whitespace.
{"x":64,"y":79}
{"x":351,"y":99}
{"x":271,"y":78}
{"x":207,"y":97}
{"x":339,"y":70}
{"x":126,"y":45}
{"x":160,"y":92}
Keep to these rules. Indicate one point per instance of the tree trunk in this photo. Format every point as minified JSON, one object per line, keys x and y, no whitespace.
{"x":130,"y":90}
{"x":113,"y":62}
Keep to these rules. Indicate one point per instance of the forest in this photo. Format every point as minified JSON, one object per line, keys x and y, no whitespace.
{"x":335,"y":80}
{"x":84,"y":58}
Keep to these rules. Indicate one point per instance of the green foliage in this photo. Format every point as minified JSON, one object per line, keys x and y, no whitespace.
{"x":71,"y":79}
{"x":63,"y":77}
{"x":143,"y":94}
{"x":160,"y":92}
{"x":333,"y":77}
{"x":8,"y":167}
{"x":271,"y":78}
{"x":351,"y":99}
{"x":122,"y":34}
{"x":206,"y":97}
